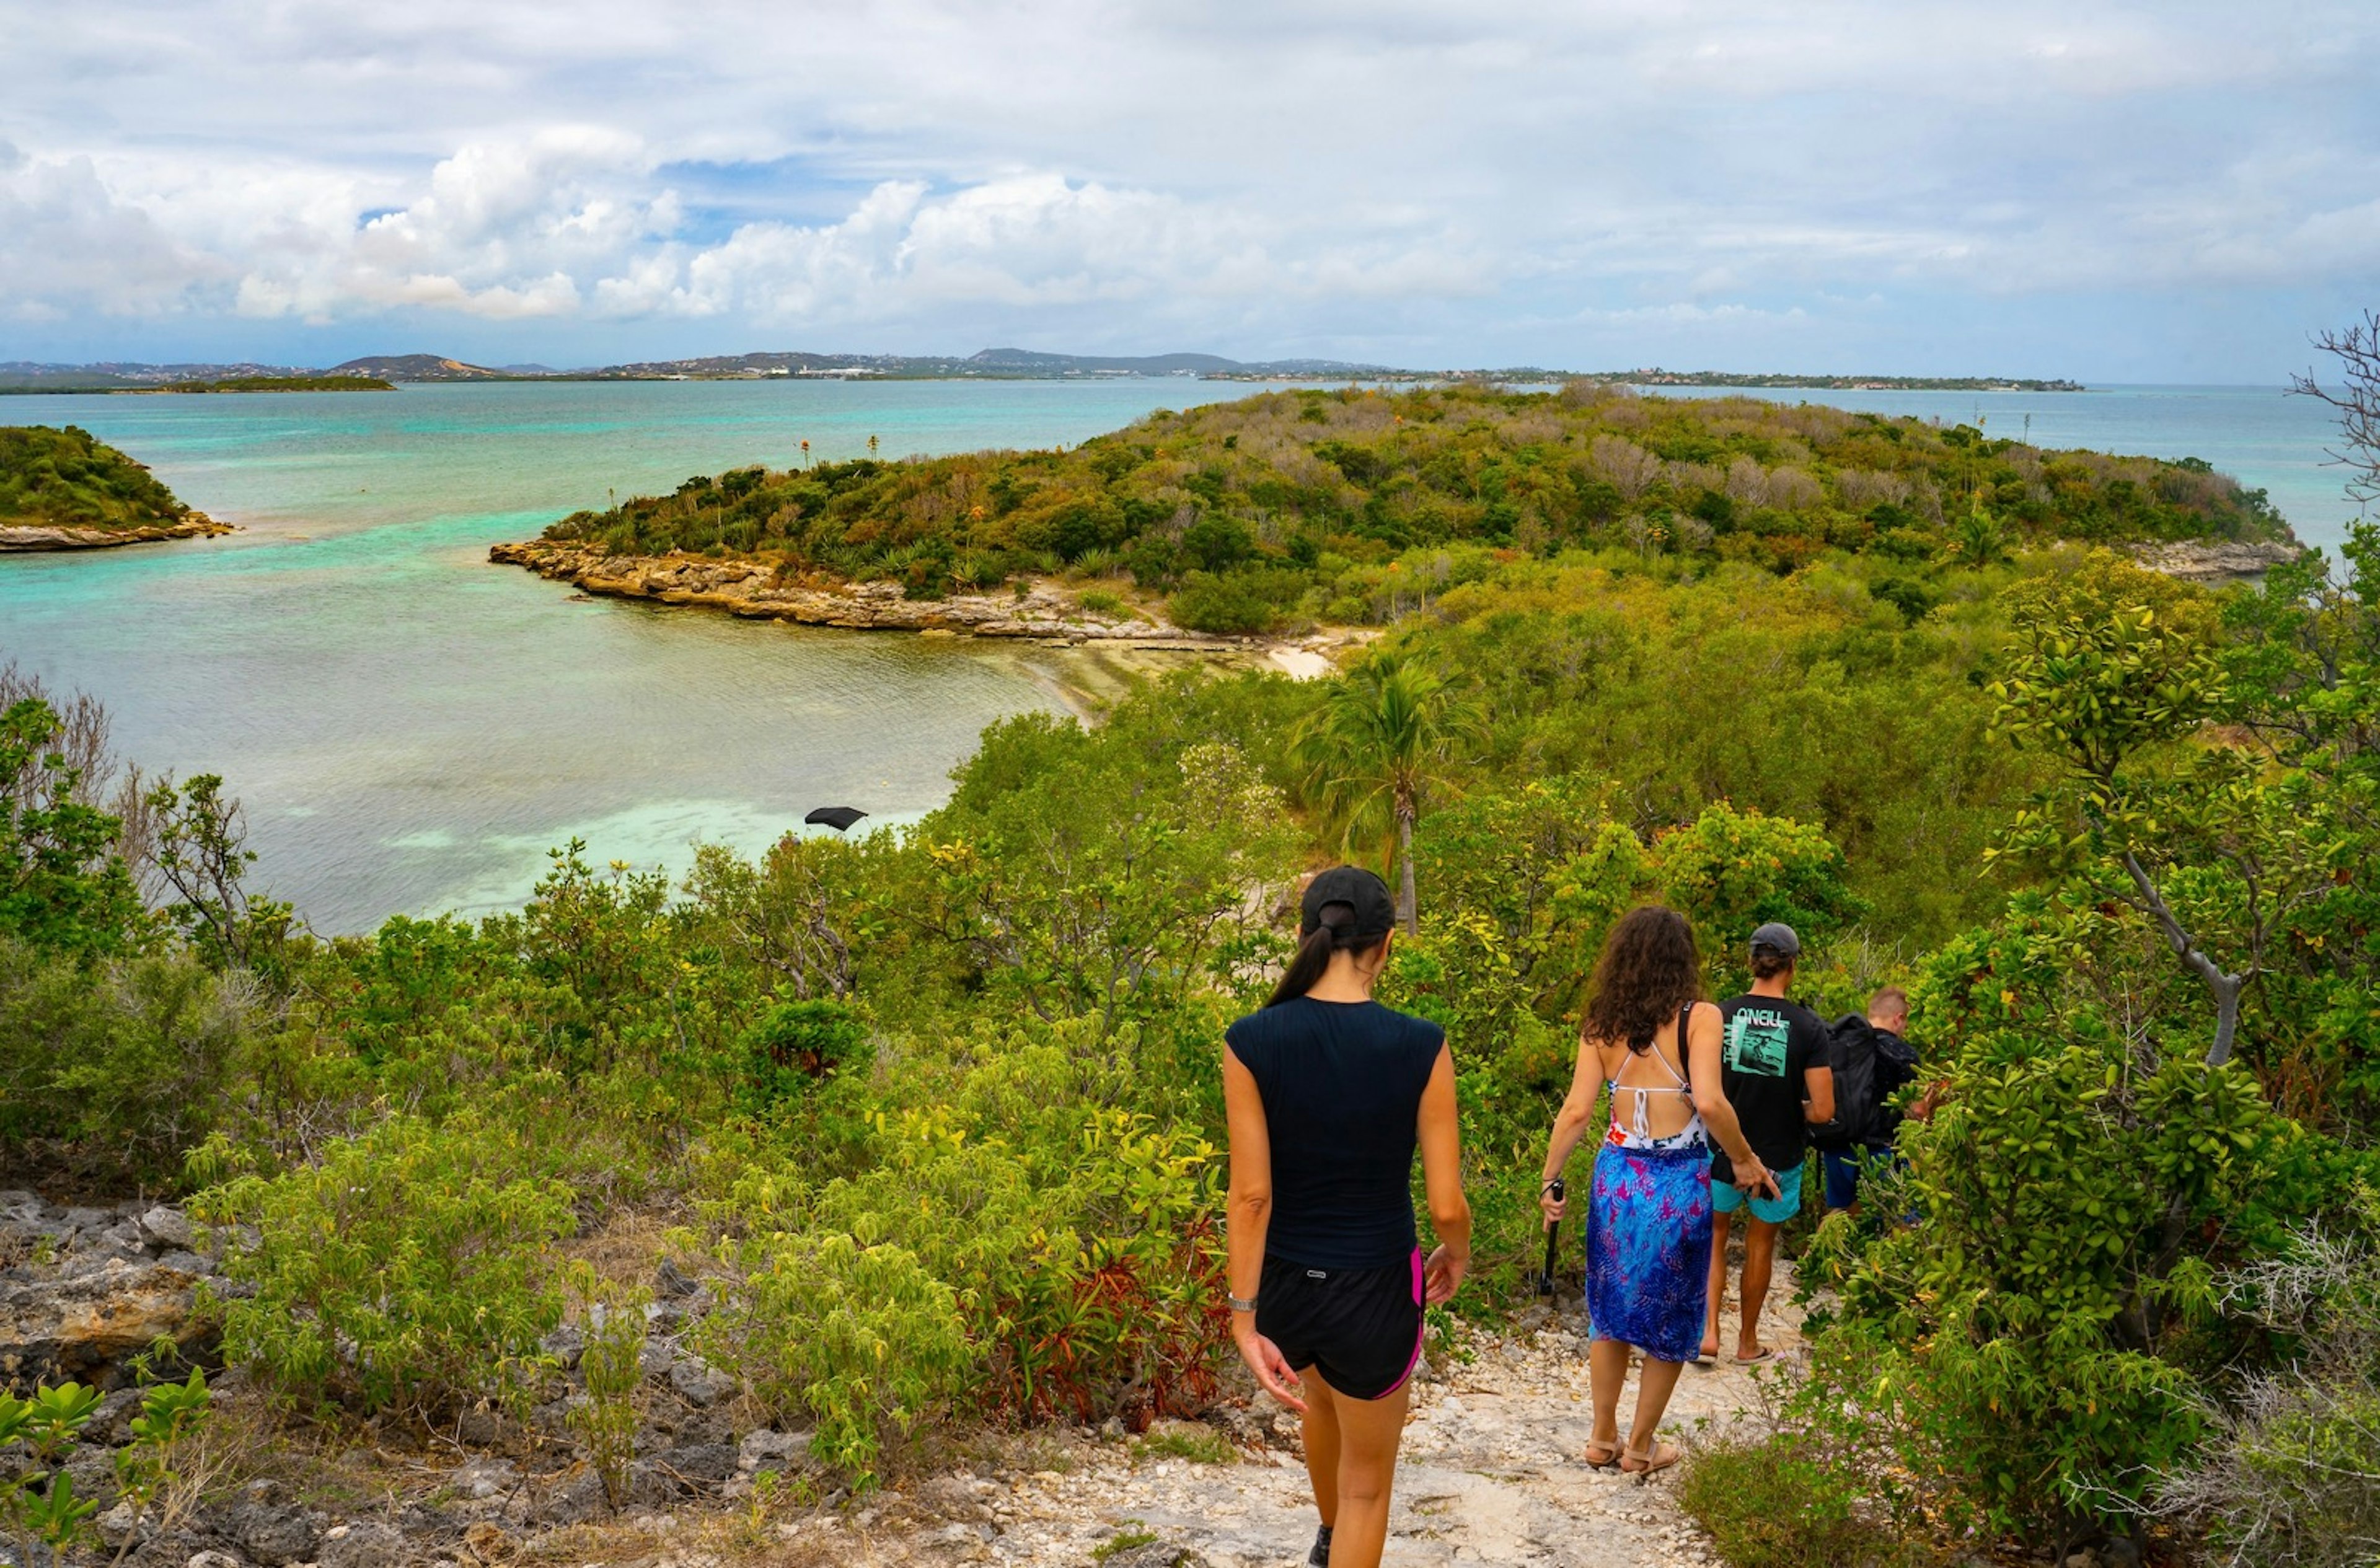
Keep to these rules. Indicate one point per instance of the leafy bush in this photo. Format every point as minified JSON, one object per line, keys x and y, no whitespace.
{"x":122,"y":1065}
{"x":2032,"y":1354}
{"x":1774,"y":1504}
{"x":1038,"y":1253}
{"x":411,"y":1268}
{"x":611,"y":1363}
{"x":1241,"y":602}
{"x":64,"y":884}
{"x":1731,"y":872}
{"x":796,"y":1045}
{"x":863,"y":1339}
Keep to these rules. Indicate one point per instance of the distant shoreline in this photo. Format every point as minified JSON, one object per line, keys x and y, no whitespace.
{"x":1715,"y":382}
{"x":376,"y":372}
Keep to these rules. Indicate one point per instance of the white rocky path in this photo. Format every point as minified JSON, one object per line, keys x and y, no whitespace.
{"x":1490,"y":1474}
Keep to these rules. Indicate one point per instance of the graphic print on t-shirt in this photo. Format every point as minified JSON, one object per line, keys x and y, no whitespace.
{"x":1755,"y":1041}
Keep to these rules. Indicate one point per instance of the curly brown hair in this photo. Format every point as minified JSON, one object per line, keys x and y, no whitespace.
{"x":1650,"y":969}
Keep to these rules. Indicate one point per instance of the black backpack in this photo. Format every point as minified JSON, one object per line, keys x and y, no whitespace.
{"x":1854,"y":1048}
{"x":1851,"y":1048}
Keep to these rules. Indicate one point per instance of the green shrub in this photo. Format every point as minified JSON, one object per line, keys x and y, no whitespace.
{"x":1731,"y":870}
{"x":1041,"y":1251}
{"x":64,"y":885}
{"x":1776,"y":1504}
{"x":2033,"y":1355}
{"x":122,"y":1063}
{"x":1102,"y":602}
{"x":794,"y":1047}
{"x":862,"y":1339}
{"x":1241,"y":602}
{"x":410,"y":1268}
{"x":611,"y":1362}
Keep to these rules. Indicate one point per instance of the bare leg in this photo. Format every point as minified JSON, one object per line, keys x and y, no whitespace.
{"x":1759,"y":1257}
{"x":1607,"y":1374}
{"x":1654,"y":1380}
{"x":1718,"y":1283}
{"x":1322,"y":1431}
{"x":1369,"y":1430}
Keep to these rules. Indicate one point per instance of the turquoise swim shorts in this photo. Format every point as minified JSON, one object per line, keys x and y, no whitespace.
{"x":1727,"y":1198}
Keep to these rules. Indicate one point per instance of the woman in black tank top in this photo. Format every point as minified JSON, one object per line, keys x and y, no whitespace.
{"x":1328,"y":1095}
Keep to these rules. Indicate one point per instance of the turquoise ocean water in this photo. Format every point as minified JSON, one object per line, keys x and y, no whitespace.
{"x":411,"y":728}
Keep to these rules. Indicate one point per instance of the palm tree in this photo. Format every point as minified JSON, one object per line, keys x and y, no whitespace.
{"x":1384,"y":736}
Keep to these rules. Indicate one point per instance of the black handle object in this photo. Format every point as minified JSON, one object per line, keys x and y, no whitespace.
{"x":1553,"y":1239}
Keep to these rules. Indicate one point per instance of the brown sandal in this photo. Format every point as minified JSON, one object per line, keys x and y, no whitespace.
{"x":1612,"y":1451}
{"x":1642,"y":1464}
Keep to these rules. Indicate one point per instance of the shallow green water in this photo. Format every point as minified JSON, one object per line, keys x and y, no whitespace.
{"x":409,"y":727}
{"x":412,"y":728}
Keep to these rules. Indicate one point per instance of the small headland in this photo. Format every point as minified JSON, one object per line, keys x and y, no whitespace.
{"x":1273,"y":523}
{"x":66,"y":490}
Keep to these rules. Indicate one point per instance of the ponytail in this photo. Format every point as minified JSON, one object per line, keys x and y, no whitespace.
{"x":1334,"y":932}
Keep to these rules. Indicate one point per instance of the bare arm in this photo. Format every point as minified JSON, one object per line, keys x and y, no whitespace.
{"x":1577,"y":1113}
{"x":1710,"y":1099}
{"x":1818,"y":1104}
{"x":1248,"y":1215}
{"x":1441,"y":1173}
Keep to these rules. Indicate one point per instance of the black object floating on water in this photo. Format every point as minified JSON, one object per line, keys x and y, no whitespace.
{"x":839,"y":818}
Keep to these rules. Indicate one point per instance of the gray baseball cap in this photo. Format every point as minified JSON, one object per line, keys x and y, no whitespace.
{"x":1778,"y":936}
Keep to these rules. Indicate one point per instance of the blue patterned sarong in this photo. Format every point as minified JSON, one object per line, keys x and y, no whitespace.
{"x":1648,"y":1242}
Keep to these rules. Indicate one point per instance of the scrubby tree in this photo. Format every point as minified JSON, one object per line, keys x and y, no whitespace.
{"x":1388,"y":734}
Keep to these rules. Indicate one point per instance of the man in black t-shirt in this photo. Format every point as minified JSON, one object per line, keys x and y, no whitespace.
{"x":1780,"y":1078}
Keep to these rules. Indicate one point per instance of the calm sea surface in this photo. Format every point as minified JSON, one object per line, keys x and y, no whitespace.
{"x":412,"y":728}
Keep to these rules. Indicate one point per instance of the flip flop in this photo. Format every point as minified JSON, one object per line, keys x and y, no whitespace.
{"x":1767,"y":1354}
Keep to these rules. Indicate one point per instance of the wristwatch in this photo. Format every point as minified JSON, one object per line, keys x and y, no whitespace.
{"x":1242,"y":1304}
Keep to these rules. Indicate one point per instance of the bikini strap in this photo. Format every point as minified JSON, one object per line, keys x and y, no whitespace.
{"x":1685,"y":1015}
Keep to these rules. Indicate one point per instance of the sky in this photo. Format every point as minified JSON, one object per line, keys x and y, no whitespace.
{"x":2166,"y":192}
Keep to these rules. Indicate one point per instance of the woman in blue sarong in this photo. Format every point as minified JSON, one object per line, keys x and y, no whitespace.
{"x":1655,"y":1043}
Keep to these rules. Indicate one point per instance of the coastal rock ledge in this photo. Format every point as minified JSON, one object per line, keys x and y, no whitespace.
{"x":43,"y":536}
{"x":752,"y":589}
{"x":2217,"y":562}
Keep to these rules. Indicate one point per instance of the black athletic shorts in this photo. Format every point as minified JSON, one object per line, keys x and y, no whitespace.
{"x":1360,"y":1328}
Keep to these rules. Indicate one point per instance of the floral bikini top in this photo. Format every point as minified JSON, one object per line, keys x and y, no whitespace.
{"x":1638,"y":1134}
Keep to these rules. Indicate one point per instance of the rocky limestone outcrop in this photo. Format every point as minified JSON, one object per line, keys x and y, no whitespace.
{"x":752,"y":589}
{"x":87,"y":1287}
{"x":43,"y":536}
{"x":2215,"y":563}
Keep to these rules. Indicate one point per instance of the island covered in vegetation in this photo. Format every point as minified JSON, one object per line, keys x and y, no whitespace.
{"x":66,"y":490}
{"x":1284,"y":510}
{"x":282,"y":384}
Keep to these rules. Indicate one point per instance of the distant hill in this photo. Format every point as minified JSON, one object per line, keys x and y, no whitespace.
{"x":415,"y":367}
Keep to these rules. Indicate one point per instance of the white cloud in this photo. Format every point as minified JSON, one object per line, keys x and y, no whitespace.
{"x":1252,"y":179}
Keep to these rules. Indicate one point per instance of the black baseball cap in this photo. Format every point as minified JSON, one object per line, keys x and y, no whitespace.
{"x":1376,"y":912}
{"x":1778,"y":937}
